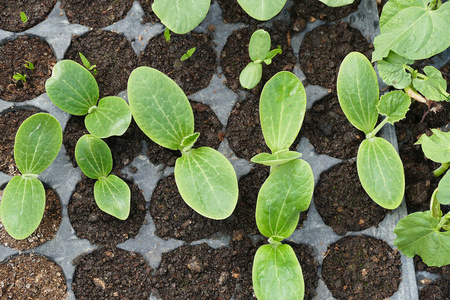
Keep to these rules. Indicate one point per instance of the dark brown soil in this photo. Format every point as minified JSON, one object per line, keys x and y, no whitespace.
{"x":10,"y":121}
{"x":342,"y":202}
{"x":191,"y":75}
{"x":111,"y":273}
{"x":112,"y":54}
{"x":89,"y":222}
{"x":46,"y":230}
{"x":14,"y":54}
{"x":31,"y":276}
{"x":324,"y":48}
{"x":95,"y":13}
{"x":421,"y":266}
{"x":149,"y":15}
{"x":361,"y":267}
{"x":233,"y":13}
{"x":36,"y":11}
{"x":437,"y":290}
{"x":234,"y":57}
{"x":329,"y":131}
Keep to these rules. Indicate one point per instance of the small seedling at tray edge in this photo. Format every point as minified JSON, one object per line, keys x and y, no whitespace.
{"x":23,"y":17}
{"x":87,"y":64}
{"x":20,"y":77}
{"x":167,"y":34}
{"x":188,"y":54}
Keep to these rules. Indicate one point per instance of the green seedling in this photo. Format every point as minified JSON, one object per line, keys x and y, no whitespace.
{"x":380,"y":169}
{"x":259,"y":50}
{"x":167,"y":34}
{"x":286,"y":192}
{"x":111,"y":193}
{"x":87,"y":64}
{"x":37,"y":144}
{"x":205,"y":178}
{"x":188,"y":54}
{"x":29,"y":65}
{"x":23,"y":17}
{"x":20,"y":77}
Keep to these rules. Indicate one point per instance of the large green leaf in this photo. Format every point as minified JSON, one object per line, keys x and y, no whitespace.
{"x":277,"y":158}
{"x":411,"y":29}
{"x":207,"y":182}
{"x":112,"y":196}
{"x":443,"y":193}
{"x":160,"y":107}
{"x":281,"y":109}
{"x":380,"y":171}
{"x":251,"y":75}
{"x":181,"y":16}
{"x":286,"y":192}
{"x":357,"y":89}
{"x":337,"y":3}
{"x":434,"y":86}
{"x":262,"y":10}
{"x":392,"y":70}
{"x":93,"y":156}
{"x":259,"y":45}
{"x":277,"y":274}
{"x":22,"y":206}
{"x":72,"y":88}
{"x":37,"y":144}
{"x":394,"y":105}
{"x":111,"y":117}
{"x":437,"y":146}
{"x":416,"y":234}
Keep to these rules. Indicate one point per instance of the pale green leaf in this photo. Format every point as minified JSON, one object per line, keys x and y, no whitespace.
{"x":111,"y":117}
{"x":72,"y":88}
{"x":160,"y":107}
{"x":286,"y":192}
{"x":282,"y":109}
{"x":275,"y":159}
{"x":443,"y":193}
{"x":394,"y":105}
{"x":22,"y":206}
{"x":277,"y":274}
{"x":93,"y":156}
{"x":207,"y":182}
{"x":434,"y":86}
{"x":357,"y":89}
{"x":262,"y":10}
{"x":259,"y":45}
{"x":188,"y":54}
{"x":37,"y":144}
{"x":337,"y":3}
{"x":272,"y":54}
{"x":437,"y":146}
{"x":416,"y":235}
{"x":392,"y":70}
{"x":380,"y":171}
{"x":112,"y":196}
{"x":251,"y":75}
{"x":189,"y":141}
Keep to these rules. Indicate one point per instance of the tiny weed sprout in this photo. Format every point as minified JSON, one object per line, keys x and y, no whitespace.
{"x":20,"y":77}
{"x":286,"y":192}
{"x":259,"y":50}
{"x":188,"y":54}
{"x":205,"y":178}
{"x":37,"y":144}
{"x":427,"y":234}
{"x":167,"y":34}
{"x":29,"y":65}
{"x":87,"y":64}
{"x":23,"y":17}
{"x":380,"y":169}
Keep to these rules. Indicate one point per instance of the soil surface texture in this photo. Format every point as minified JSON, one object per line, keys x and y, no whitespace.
{"x":437,"y":290}
{"x":35,"y":10}
{"x":111,"y":273}
{"x":233,"y":13}
{"x":13,"y":59}
{"x":149,"y":15}
{"x":361,"y":267}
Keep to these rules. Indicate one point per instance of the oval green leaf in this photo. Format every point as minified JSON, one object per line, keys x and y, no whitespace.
{"x":93,"y":156}
{"x":380,"y":171}
{"x":22,"y":206}
{"x":111,"y":117}
{"x":207,"y":182}
{"x":394,"y":105}
{"x":112,"y":196}
{"x":160,"y":107}
{"x":72,"y":88}
{"x":181,"y":16}
{"x":37,"y":144}
{"x":437,"y":146}
{"x":251,"y":75}
{"x":262,"y":10}
{"x":443,"y":193}
{"x":278,"y":158}
{"x":337,"y":3}
{"x":357,"y":89}
{"x":286,"y":192}
{"x":259,"y":45}
{"x":282,"y":109}
{"x":277,"y":274}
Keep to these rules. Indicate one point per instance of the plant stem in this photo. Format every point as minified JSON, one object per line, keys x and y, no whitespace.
{"x":416,"y":96}
{"x":378,"y":128}
{"x":439,"y":171}
{"x":443,"y":221}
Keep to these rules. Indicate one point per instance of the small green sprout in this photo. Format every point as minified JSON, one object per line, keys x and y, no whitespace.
{"x":29,"y":65}
{"x":167,"y":34}
{"x":20,"y":77}
{"x":87,"y":64}
{"x":23,"y":17}
{"x":188,"y":54}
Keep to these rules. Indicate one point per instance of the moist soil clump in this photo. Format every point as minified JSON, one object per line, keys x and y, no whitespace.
{"x":437,"y":290}
{"x":233,"y":13}
{"x":95,"y":13}
{"x":361,"y":267}
{"x":329,"y":131}
{"x":193,"y":74}
{"x":323,"y":50}
{"x":342,"y":202}
{"x":234,"y":57}
{"x":31,"y":276}
{"x":46,"y":230}
{"x":111,"y":273}
{"x":89,"y":222}
{"x":149,"y":16}
{"x":111,"y":53}
{"x":10,"y":121}
{"x":14,"y":54}
{"x":35,"y":10}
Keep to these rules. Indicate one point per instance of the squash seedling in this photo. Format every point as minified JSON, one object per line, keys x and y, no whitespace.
{"x":380,"y":169}
{"x":37,"y":144}
{"x":259,"y":51}
{"x":286,"y":192}
{"x":205,"y":178}
{"x":188,"y":54}
{"x":29,"y":65}
{"x":87,"y":64}
{"x":20,"y":77}
{"x":167,"y":34}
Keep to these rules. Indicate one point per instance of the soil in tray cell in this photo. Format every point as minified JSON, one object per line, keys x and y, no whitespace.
{"x":149,"y":15}
{"x":233,"y":13}
{"x":35,"y":10}
{"x":438,"y":289}
{"x":15,"y":55}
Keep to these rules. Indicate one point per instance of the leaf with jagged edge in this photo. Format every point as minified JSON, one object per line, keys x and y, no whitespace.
{"x":437,"y":146}
{"x":434,"y":86}
{"x":392,"y":70}
{"x":394,"y":105}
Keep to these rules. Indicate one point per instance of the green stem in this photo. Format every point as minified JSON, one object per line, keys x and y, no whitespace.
{"x":443,"y":221}
{"x":413,"y":94}
{"x":439,"y":171}
{"x":378,"y":128}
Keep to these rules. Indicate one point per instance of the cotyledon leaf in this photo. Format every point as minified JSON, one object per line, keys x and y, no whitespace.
{"x":337,"y":3}
{"x":251,"y":75}
{"x":112,"y":196}
{"x":93,"y":156}
{"x":275,"y":159}
{"x":262,"y":10}
{"x":259,"y":45}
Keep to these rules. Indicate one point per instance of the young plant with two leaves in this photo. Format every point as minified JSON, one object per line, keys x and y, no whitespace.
{"x":286,"y":192}
{"x":205,"y":179}
{"x":74,"y":90}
